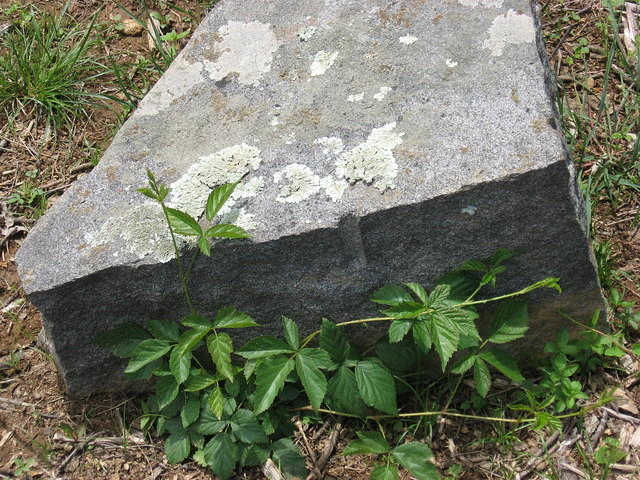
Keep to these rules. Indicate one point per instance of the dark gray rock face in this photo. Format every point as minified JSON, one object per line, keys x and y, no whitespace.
{"x":376,"y":142}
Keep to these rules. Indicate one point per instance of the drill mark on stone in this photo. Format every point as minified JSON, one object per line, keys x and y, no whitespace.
{"x":372,"y":161}
{"x":508,"y":29}
{"x":352,"y":240}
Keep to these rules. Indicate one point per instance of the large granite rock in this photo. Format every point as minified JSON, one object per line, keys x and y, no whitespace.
{"x":377,"y":142}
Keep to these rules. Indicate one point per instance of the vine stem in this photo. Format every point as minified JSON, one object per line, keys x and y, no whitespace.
{"x":313,"y":335}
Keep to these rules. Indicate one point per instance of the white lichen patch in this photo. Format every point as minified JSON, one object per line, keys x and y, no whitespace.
{"x":239,"y":217}
{"x":305,"y":33}
{"x":355,"y":98}
{"x":247,"y":189}
{"x":469,"y":210}
{"x":510,"y":28}
{"x":299,"y":183}
{"x":180,"y":78}
{"x":382,"y":93}
{"x":451,"y":63}
{"x":189,"y":193}
{"x":334,"y":188}
{"x":484,"y":3}
{"x":141,"y":233}
{"x":274,"y":122}
{"x":408,"y":39}
{"x":246,"y":49}
{"x":322,"y":61}
{"x":372,"y":161}
{"x":332,"y":145}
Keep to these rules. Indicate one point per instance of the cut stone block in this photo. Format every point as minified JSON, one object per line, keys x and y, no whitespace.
{"x":377,"y":142}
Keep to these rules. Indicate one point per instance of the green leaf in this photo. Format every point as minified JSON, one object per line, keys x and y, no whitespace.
{"x":204,"y":246}
{"x":146,"y":352}
{"x":209,"y":424}
{"x":474,"y":266}
{"x":177,"y":447}
{"x":123,"y":339}
{"x":319,"y":357}
{"x":288,"y":459}
{"x":191,"y":410}
{"x":385,"y":472}
{"x":190,"y":339}
{"x":463,"y":364}
{"x":246,"y":427}
{"x":166,"y":391}
{"x":270,"y":377}
{"x":405,"y":310}
{"x":265,"y":346}
{"x":343,"y":392}
{"x":196,"y":321}
{"x":217,"y":198}
{"x":399,"y":357}
{"x":291,"y":332}
{"x":313,"y":380}
{"x":183,"y":223}
{"x":334,"y":341}
{"x":422,"y":335}
{"x":636,"y":349}
{"x":368,"y":442}
{"x":148,"y":193}
{"x":229,"y":317}
{"x":481,"y":377}
{"x":510,"y":322}
{"x":398,"y":329}
{"x":180,"y":365}
{"x":376,"y":386}
{"x":216,"y":402}
{"x":462,"y":285}
{"x":504,"y":363}
{"x":415,"y":456}
{"x":419,"y":291}
{"x":445,"y":338}
{"x":439,"y":294}
{"x":221,"y":455}
{"x":501,"y":255}
{"x":220,"y":347}
{"x":163,"y":329}
{"x":200,"y":380}
{"x":392,"y":295}
{"x":226,"y":230}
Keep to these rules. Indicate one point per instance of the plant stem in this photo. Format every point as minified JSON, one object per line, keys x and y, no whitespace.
{"x":313,"y":335}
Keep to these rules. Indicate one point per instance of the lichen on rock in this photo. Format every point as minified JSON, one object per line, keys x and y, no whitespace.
{"x":298,"y":183}
{"x":322,"y":61}
{"x":510,"y":28}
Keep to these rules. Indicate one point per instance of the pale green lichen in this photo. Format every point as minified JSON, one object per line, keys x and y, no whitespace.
{"x":372,"y":161}
{"x":322,"y":61}
{"x":334,"y":188}
{"x":355,"y":98}
{"x":239,"y":217}
{"x":305,"y":33}
{"x":331,"y":145}
{"x":451,"y":63}
{"x":510,"y":28}
{"x":408,"y":39}
{"x":245,"y":49}
{"x":249,"y":189}
{"x":382,"y":93}
{"x":189,"y":193}
{"x":298,"y":183}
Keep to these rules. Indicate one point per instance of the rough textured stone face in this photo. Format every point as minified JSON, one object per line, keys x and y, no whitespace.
{"x":375,"y":141}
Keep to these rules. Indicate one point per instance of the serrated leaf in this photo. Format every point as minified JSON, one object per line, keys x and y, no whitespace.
{"x":392,"y":295}
{"x":122,"y":340}
{"x":204,"y":246}
{"x":319,"y":357}
{"x":291,"y":332}
{"x":146,"y":352}
{"x":501,"y":255}
{"x":220,"y":347}
{"x":510,"y":322}
{"x":462,"y":319}
{"x":216,"y":402}
{"x":342,"y":389}
{"x":313,"y":380}
{"x":199,"y":380}
{"x":367,"y":443}
{"x":221,"y":455}
{"x":463,"y":364}
{"x":166,"y":391}
{"x":481,"y":377}
{"x":288,"y":459}
{"x":422,"y":335}
{"x":177,"y":447}
{"x":474,"y":266}
{"x":418,"y":291}
{"x":445,"y":337}
{"x":180,"y":365}
{"x":461,"y":283}
{"x":163,"y":329}
{"x":270,"y":377}
{"x":182,"y":223}
{"x":376,"y":386}
{"x":208,"y":423}
{"x":190,"y":339}
{"x":504,"y":363}
{"x":226,"y":230}
{"x":229,"y":317}
{"x":385,"y":472}
{"x":191,"y":410}
{"x":246,"y":427}
{"x":399,"y":357}
{"x":439,"y":294}
{"x":415,"y":456}
{"x":196,"y":321}
{"x":334,"y":341}
{"x":148,"y":193}
{"x":254,"y":455}
{"x":262,"y":347}
{"x":398,"y":329}
{"x":217,"y":198}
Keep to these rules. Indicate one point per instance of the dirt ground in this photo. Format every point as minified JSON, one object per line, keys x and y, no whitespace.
{"x":44,"y":434}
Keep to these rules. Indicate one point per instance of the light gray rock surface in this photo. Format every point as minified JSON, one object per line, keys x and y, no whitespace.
{"x":377,"y":142}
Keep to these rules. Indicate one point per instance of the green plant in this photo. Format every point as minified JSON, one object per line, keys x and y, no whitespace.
{"x":607,"y":455}
{"x":24,"y":466}
{"x":28,"y":196}
{"x":228,"y":413}
{"x":46,"y":68}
